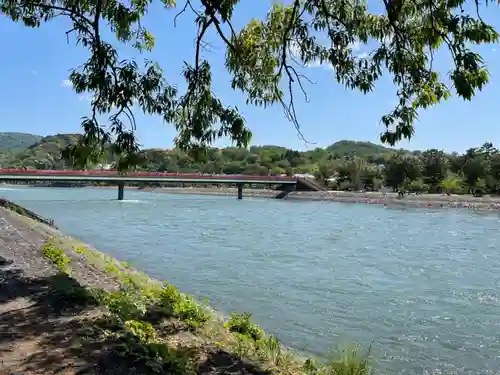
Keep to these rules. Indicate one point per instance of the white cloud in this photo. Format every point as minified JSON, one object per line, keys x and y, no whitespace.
{"x":81,"y":97}
{"x":85,"y":97}
{"x":356,"y":47}
{"x":66,"y":83}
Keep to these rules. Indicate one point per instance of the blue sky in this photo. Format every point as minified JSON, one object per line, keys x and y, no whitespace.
{"x":35,"y":99}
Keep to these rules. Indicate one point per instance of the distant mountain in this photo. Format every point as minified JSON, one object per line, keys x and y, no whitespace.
{"x":257,"y":160}
{"x":46,"y":153}
{"x":13,"y":142}
{"x":360,"y":149}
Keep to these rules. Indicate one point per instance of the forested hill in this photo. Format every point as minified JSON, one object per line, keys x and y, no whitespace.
{"x":36,"y":152}
{"x":17,"y":141}
{"x":343,"y":165}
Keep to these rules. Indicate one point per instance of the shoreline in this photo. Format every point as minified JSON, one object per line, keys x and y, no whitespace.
{"x":389,"y":200}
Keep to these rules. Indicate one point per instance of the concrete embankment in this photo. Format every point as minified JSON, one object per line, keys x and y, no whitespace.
{"x":9,"y":205}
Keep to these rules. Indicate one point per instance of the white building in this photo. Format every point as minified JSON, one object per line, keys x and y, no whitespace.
{"x":304,"y":175}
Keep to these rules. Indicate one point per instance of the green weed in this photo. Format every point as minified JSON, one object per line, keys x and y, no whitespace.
{"x":145,"y":332}
{"x":141,"y":343}
{"x":57,"y":256}
{"x":81,"y":251}
{"x":269,"y":349}
{"x":241,"y":323}
{"x":350,"y":362}
{"x":183,"y":307}
{"x":244,"y":346}
{"x":125,"y":304}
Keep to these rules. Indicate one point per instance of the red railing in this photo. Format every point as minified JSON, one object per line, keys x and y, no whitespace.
{"x":180,"y":176}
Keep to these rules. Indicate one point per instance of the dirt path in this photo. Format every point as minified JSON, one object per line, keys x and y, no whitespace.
{"x":38,"y":329}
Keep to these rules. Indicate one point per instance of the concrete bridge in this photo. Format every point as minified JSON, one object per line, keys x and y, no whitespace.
{"x":284,"y":184}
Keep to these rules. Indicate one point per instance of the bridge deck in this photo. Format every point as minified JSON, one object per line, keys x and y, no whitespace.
{"x":113,"y":176}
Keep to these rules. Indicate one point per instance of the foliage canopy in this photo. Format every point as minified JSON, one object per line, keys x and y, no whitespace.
{"x":264,"y":59}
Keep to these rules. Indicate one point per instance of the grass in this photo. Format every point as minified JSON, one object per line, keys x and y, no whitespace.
{"x":57,"y":256}
{"x":142,"y":314}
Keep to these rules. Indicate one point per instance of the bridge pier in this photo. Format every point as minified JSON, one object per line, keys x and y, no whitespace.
{"x":240,"y":191}
{"x":121,"y":190}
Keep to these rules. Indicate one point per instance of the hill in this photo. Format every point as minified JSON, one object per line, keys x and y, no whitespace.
{"x":360,"y":149}
{"x":11,"y":141}
{"x":44,"y":154}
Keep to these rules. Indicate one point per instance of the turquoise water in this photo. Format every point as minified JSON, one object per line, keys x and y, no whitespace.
{"x":422,"y":284}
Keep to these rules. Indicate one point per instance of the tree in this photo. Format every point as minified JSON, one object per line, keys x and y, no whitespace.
{"x":325,"y":171}
{"x":473,"y":171}
{"x":371,"y":177}
{"x":355,"y":167}
{"x":401,"y":169}
{"x":435,"y":165}
{"x":264,"y":59}
{"x":495,"y":171}
{"x":477,"y":165}
{"x":451,"y":184}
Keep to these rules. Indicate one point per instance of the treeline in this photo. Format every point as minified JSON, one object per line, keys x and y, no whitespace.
{"x":477,"y":172}
{"x":345,"y":165}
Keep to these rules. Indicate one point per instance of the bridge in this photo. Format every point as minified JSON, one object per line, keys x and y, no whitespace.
{"x":285,"y":184}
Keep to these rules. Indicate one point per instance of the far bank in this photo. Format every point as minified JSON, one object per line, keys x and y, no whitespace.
{"x":485,"y":203}
{"x":434,"y":201}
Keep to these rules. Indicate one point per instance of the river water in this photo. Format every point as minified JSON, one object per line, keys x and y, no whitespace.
{"x":423,"y":285}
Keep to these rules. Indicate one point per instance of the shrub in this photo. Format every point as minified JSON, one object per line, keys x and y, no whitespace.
{"x":145,"y":332}
{"x":191,"y":312}
{"x":184,"y":307}
{"x":125,"y":304}
{"x":240,"y":323}
{"x":351,"y":362}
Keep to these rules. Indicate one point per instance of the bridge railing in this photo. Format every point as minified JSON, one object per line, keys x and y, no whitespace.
{"x":107,"y":173}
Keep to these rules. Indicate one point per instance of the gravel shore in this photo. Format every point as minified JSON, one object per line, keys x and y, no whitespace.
{"x":486,"y":203}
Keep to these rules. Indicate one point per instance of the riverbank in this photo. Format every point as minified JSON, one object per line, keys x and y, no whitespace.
{"x":468,"y":202}
{"x":68,"y":309}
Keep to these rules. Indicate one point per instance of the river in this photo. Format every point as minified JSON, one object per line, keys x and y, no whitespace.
{"x":422,"y":284}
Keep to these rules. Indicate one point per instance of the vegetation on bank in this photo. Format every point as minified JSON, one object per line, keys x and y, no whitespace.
{"x":161,"y":330}
{"x":345,"y":165}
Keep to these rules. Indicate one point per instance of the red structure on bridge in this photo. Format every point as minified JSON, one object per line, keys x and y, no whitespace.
{"x":182,"y":177}
{"x":285,"y":184}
